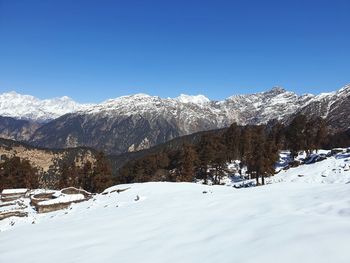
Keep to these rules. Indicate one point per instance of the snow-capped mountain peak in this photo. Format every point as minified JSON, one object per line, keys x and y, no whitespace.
{"x":196,"y":99}
{"x":13,"y":104}
{"x":140,"y":121}
{"x":255,"y":108}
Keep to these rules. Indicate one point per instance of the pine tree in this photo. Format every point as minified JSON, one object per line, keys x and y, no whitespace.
{"x":296,"y":135}
{"x":321,"y":133}
{"x":86,"y":176}
{"x":30,"y":175}
{"x":64,"y":176}
{"x":232,"y":142}
{"x":206,"y":155}
{"x":17,"y":173}
{"x":102,"y":173}
{"x":245,"y":146}
{"x":219,"y":160}
{"x":263,"y":155}
{"x":188,"y":161}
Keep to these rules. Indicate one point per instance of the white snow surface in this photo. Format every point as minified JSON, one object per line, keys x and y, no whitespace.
{"x":15,"y":191}
{"x":333,"y":170}
{"x":291,"y":219}
{"x":198,"y":99}
{"x":63,"y":199}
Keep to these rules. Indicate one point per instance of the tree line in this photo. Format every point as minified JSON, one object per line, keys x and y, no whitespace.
{"x":256,"y":146}
{"x":93,"y":177}
{"x":17,"y":173}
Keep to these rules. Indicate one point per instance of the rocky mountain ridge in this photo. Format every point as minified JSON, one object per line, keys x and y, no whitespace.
{"x":135,"y":122}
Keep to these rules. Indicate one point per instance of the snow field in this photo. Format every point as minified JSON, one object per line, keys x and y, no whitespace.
{"x":177,"y":222}
{"x":301,"y":215}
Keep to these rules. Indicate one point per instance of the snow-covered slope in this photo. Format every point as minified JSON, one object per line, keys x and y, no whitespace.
{"x":333,"y":170}
{"x":292,"y":219}
{"x":28,"y":107}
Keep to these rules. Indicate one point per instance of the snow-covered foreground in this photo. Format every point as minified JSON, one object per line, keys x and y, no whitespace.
{"x":295,"y":220}
{"x":335,"y":169}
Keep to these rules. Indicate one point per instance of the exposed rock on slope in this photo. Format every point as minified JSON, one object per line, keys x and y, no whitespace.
{"x":136,"y":122}
{"x":19,"y":130}
{"x":334,"y":107}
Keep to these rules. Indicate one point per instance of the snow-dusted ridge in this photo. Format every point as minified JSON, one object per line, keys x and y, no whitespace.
{"x":262,"y":106}
{"x":29,"y":107}
{"x":256,"y":108}
{"x":140,"y":121}
{"x":13,"y":104}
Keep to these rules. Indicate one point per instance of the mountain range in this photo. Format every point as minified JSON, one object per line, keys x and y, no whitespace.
{"x":135,"y":122}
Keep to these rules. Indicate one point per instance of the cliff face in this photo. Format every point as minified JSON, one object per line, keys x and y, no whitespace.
{"x":19,"y":130}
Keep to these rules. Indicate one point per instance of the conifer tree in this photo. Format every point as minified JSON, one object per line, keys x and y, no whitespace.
{"x":17,"y":173}
{"x":220,"y":158}
{"x":86,"y":176}
{"x":321,"y":133}
{"x":245,"y":146}
{"x":232,"y":142}
{"x":102,"y":173}
{"x":206,"y":154}
{"x":296,"y":135}
{"x":188,"y":161}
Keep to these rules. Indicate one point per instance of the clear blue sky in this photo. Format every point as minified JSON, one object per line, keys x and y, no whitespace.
{"x":93,"y":50}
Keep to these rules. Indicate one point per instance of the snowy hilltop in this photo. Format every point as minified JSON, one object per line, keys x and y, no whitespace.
{"x":301,"y":215}
{"x":28,"y":107}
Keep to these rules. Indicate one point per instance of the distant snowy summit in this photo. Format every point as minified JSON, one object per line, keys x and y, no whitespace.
{"x":18,"y":106}
{"x":139,"y":121}
{"x":198,"y":99}
{"x":29,"y":107}
{"x":276,"y":103}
